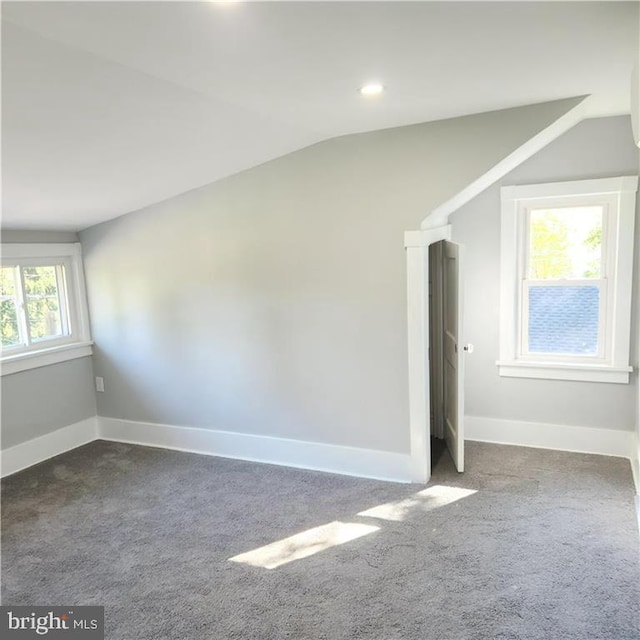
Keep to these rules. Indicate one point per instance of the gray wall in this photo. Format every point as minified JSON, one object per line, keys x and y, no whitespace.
{"x":274,"y":302}
{"x":41,"y":400}
{"x":18,"y":235}
{"x":595,"y":148}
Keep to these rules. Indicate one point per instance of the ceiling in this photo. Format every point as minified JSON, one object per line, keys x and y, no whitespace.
{"x":112,"y":106}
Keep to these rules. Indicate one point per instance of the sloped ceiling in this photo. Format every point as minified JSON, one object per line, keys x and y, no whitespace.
{"x":109,"y":107}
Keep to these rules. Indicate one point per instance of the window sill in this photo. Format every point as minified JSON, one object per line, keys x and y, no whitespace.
{"x":43,"y":357}
{"x":564,"y":371}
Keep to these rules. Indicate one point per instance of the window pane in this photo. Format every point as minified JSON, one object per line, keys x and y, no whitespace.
{"x":8,"y":315}
{"x":565,"y":243}
{"x":42,"y":297}
{"x":564,"y":319}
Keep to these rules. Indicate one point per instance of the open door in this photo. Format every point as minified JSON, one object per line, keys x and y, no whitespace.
{"x":453,"y":375}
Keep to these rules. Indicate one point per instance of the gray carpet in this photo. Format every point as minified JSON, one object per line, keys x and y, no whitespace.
{"x":526,"y":544}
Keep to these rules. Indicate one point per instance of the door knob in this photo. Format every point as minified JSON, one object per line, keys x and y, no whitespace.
{"x":468,"y":348}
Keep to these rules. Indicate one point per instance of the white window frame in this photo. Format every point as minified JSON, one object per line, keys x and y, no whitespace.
{"x":611,"y":363}
{"x":76,"y":343}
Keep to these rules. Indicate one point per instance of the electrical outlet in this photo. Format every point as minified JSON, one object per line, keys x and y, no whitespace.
{"x":99,"y":384}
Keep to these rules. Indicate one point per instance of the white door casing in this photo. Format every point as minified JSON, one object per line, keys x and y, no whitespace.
{"x":436,"y":358}
{"x":417,"y":249}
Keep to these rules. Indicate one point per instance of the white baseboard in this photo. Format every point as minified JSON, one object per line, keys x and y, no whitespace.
{"x":350,"y":461}
{"x":607,"y":442}
{"x":52,"y":444}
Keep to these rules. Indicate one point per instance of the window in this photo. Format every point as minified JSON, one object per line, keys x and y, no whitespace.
{"x":43,"y":312}
{"x":566,"y":273}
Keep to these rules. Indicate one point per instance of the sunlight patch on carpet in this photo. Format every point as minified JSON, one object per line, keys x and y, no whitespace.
{"x":426,"y":500}
{"x":305,"y":544}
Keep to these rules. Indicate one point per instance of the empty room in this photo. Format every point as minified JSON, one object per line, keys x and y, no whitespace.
{"x":320,"y":320}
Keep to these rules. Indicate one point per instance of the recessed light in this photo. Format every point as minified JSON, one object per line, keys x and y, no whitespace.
{"x":372,"y":89}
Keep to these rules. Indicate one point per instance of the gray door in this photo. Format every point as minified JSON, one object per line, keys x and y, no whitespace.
{"x":453,"y":353}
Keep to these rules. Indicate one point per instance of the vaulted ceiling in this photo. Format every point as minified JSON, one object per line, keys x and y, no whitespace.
{"x":111,"y":106}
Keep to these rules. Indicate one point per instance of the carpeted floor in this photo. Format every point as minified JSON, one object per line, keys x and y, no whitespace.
{"x":527,"y":544}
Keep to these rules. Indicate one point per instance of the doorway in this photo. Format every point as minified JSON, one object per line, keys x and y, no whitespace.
{"x":446,"y":353}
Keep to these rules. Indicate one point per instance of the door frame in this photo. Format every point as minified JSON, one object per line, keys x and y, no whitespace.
{"x":417,"y":248}
{"x":436,"y":333}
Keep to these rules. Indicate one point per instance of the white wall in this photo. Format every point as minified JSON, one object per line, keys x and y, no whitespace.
{"x":273,"y":302}
{"x":594,"y":148}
